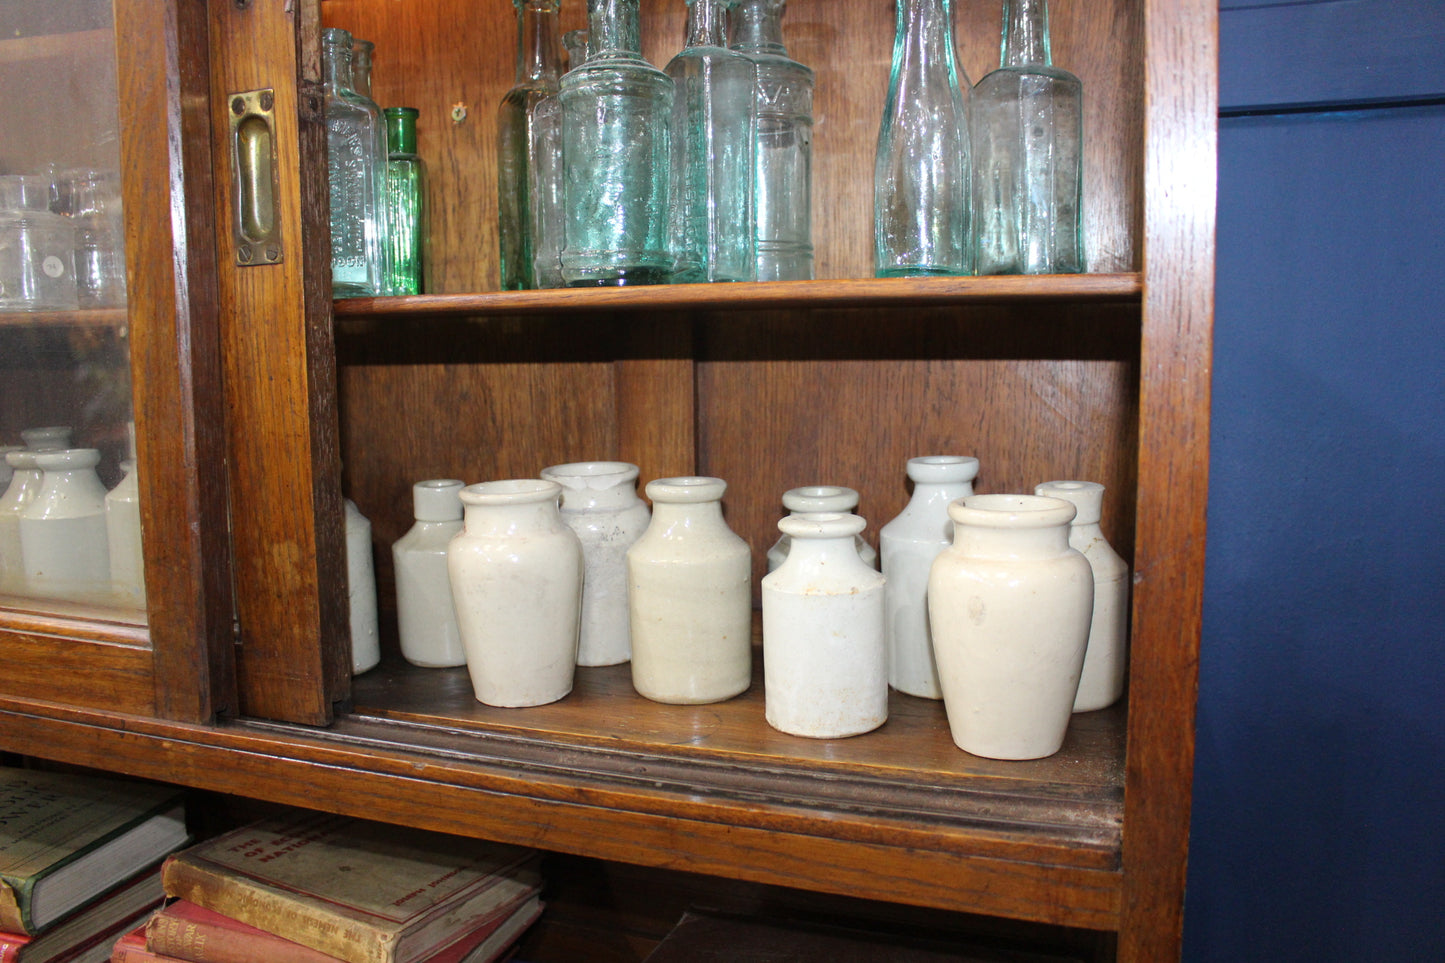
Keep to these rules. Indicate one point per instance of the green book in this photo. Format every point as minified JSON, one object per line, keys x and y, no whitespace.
{"x":65,"y":839}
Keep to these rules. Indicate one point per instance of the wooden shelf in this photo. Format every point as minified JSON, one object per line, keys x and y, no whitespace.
{"x":87,"y":318}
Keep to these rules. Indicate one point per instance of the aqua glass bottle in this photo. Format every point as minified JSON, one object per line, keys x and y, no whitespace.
{"x":712,"y":152}
{"x":617,"y":110}
{"x":355,"y":176}
{"x":921,"y":173}
{"x":529,"y":139}
{"x":361,"y":53}
{"x":1027,"y":130}
{"x":783,"y":151}
{"x":406,"y":219}
{"x":575,"y":43}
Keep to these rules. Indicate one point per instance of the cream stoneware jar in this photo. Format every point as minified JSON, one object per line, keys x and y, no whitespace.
{"x":1102,"y":681}
{"x":123,"y":538}
{"x":690,"y":596}
{"x":907,"y":546}
{"x":62,"y":531}
{"x":1009,"y":602}
{"x":516,"y":574}
{"x":825,"y":661}
{"x":600,"y":504}
{"x":426,"y":620}
{"x":820,"y":498}
{"x":24,"y":485}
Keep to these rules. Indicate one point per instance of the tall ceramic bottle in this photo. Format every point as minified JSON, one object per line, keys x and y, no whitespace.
{"x":355,"y":170}
{"x":921,"y":170}
{"x":907,"y":547}
{"x":616,"y":153}
{"x":1028,"y":137}
{"x":406,"y":214}
{"x":712,"y":151}
{"x":600,"y":504}
{"x":425,"y":616}
{"x":820,"y":498}
{"x":825,"y":660}
{"x":1010,"y":602}
{"x":123,"y":538}
{"x":783,"y":153}
{"x":63,"y":539}
{"x":1102,"y":680}
{"x":24,"y":485}
{"x":361,"y":589}
{"x":529,"y":150}
{"x":516,"y":574}
{"x":690,"y":597}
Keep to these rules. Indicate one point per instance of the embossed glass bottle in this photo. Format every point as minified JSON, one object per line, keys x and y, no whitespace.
{"x":529,"y":150}
{"x":355,"y":159}
{"x":405,"y":203}
{"x":712,"y":151}
{"x":921,"y":173}
{"x":616,"y":153}
{"x":1028,"y":154}
{"x":783,"y":156}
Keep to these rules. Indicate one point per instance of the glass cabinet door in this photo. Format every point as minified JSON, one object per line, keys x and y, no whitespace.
{"x":114,"y":572}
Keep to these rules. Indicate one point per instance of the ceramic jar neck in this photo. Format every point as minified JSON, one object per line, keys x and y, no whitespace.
{"x":595,"y":486}
{"x":817,"y":536}
{"x":1011,"y":526}
{"x":820,"y":498}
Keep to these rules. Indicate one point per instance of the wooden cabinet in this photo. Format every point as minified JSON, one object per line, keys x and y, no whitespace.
{"x":1102,"y":376}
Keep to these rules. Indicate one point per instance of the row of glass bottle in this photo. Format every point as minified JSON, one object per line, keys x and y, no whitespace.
{"x":589,"y":193}
{"x":62,"y":243}
{"x":376,"y":180}
{"x":669,"y":592}
{"x":62,"y":535}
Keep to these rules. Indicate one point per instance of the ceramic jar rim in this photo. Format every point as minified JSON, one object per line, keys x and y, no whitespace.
{"x":580,"y":475}
{"x":686,"y":490}
{"x":22,"y":458}
{"x":1087,"y":497}
{"x":62,"y":459}
{"x":44,"y":434}
{"x":437,"y":500}
{"x":820,"y":498}
{"x":942,"y":468}
{"x":511,"y":491}
{"x":1011,"y":511}
{"x":807,"y":525}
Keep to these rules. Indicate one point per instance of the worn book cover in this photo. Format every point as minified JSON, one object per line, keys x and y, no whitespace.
{"x":91,"y":929}
{"x":66,"y":838}
{"x":360,"y":891}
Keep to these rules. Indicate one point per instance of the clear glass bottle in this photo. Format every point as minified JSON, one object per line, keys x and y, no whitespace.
{"x":405,"y":203}
{"x":529,"y":151}
{"x":616,"y":148}
{"x":712,"y":151}
{"x":361,"y":51}
{"x":355,"y":168}
{"x":783,"y":156}
{"x":921,"y":172}
{"x":1027,"y":131}
{"x":575,"y":43}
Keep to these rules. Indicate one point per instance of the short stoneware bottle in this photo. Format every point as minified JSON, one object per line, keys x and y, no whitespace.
{"x":123,"y":538}
{"x":820,"y":498}
{"x":24,"y":485}
{"x":6,"y":472}
{"x":426,"y":620}
{"x":600,"y":504}
{"x":1009,"y":603}
{"x":516,"y":574}
{"x":62,"y":531}
{"x":690,"y":595}
{"x":825,"y":661}
{"x":361,"y":590}
{"x":1102,"y":681}
{"x":907,"y":547}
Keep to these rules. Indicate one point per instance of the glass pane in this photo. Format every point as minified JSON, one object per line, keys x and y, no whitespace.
{"x":69,"y":512}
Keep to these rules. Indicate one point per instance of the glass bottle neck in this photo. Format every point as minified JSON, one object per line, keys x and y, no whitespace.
{"x":336,"y":66}
{"x":612,"y":29}
{"x":928,"y":23}
{"x":758,"y":27}
{"x":539,"y":48}
{"x":707,"y":23}
{"x":1026,"y":34}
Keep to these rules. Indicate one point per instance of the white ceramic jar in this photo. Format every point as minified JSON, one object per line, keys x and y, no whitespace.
{"x":907,"y":546}
{"x":361,"y":591}
{"x":1102,"y":681}
{"x":123,"y":538}
{"x":62,"y":531}
{"x":690,"y":596}
{"x":825,"y":659}
{"x":426,"y":620}
{"x":820,"y":498}
{"x":600,"y":504}
{"x":6,"y":472}
{"x":1009,"y":603}
{"x":47,"y":438}
{"x":24,"y":485}
{"x":516,"y":574}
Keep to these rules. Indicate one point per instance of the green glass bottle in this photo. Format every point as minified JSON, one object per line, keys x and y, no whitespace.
{"x":405,"y":203}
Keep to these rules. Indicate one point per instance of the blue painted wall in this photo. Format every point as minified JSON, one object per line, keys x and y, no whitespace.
{"x":1319,"y":805}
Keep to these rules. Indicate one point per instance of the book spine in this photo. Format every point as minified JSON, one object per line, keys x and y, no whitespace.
{"x":216,"y":888}
{"x":214,"y":941}
{"x":10,"y":945}
{"x":131,"y":948}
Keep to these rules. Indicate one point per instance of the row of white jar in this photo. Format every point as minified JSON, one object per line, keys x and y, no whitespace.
{"x":670,"y":591}
{"x":63,"y":536}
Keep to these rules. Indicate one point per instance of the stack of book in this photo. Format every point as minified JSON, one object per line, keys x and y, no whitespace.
{"x":318,"y":888}
{"x":80,"y":861}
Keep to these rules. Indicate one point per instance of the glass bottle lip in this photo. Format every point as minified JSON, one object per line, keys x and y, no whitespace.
{"x":336,"y":36}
